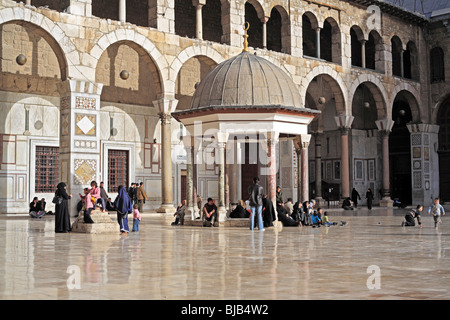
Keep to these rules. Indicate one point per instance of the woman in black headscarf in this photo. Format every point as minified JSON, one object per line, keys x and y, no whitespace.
{"x":62,"y":216}
{"x":124,"y":207}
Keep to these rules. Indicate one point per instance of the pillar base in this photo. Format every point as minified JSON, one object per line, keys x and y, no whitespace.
{"x":221,"y":214}
{"x":167,"y":209}
{"x":320,"y":202}
{"x":386,"y":202}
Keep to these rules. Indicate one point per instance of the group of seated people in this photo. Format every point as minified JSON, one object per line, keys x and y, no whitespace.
{"x":37,"y":208}
{"x":298,"y":214}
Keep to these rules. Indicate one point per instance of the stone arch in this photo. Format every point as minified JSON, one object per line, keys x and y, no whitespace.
{"x":437,"y":107}
{"x":259,"y":8}
{"x":184,"y":56}
{"x":336,"y":84}
{"x":138,"y":39}
{"x":377,"y":90}
{"x":61,"y":41}
{"x":412,"y":96}
{"x":189,"y":76}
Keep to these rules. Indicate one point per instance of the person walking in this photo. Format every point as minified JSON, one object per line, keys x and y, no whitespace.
{"x":124,"y":207}
{"x":355,"y":197}
{"x":141,"y":197}
{"x":369,"y":198}
{"x":436,"y":210}
{"x":62,"y":216}
{"x":256,"y":194}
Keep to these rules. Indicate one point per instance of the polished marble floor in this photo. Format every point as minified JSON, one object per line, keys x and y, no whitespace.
{"x":372,"y":257}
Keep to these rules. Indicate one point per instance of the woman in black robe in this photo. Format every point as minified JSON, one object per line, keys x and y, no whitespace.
{"x":239,"y":211}
{"x":268,"y":212}
{"x":62,"y":216}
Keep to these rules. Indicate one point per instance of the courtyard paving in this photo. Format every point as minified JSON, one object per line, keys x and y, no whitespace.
{"x":371,"y":257}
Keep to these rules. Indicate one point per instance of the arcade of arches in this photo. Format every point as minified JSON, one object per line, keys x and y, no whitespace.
{"x":93,"y":100}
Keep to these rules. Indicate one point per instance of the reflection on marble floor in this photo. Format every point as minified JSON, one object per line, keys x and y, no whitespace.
{"x":372,"y":257}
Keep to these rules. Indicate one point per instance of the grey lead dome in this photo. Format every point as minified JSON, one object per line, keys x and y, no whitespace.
{"x":247,"y":80}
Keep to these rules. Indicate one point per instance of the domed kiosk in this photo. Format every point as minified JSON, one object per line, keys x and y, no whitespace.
{"x":244,"y":100}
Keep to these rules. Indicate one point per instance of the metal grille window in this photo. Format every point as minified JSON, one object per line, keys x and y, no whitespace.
{"x":47,"y":164}
{"x":117,"y":169}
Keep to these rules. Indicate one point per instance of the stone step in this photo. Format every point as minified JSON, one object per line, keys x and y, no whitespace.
{"x":103,"y":223}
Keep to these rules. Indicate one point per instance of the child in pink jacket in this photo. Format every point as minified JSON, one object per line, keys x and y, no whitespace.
{"x":88,"y":205}
{"x":136,"y":218}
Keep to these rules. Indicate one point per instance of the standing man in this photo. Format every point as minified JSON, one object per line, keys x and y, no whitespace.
{"x":256,"y":194}
{"x":141,"y":197}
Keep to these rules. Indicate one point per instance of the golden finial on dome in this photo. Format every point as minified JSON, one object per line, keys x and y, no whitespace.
{"x":246,"y":27}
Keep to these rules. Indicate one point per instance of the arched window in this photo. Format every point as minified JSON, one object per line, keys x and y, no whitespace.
{"x":330,"y":41}
{"x":374,"y":52}
{"x":212,"y":21}
{"x":356,"y":36}
{"x":410,"y":65}
{"x":397,"y":51}
{"x":437,"y":65}
{"x":185,"y":19}
{"x":309,"y":23}
{"x":255,"y":33}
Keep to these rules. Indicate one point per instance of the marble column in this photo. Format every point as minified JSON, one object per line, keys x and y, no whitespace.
{"x":190,"y":200}
{"x":318,"y":43}
{"x":385,"y":127}
{"x":122,"y":10}
{"x":198,"y":4}
{"x":165,"y":107}
{"x":402,"y":66}
{"x":318,"y":167}
{"x":79,"y":135}
{"x":233,"y":173}
{"x":344,"y":124}
{"x":272,"y":140}
{"x":301,"y":145}
{"x":264,"y":32}
{"x":363,"y":53}
{"x":221,"y":147}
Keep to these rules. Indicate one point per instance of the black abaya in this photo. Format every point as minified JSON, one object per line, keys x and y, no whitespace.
{"x":268,"y":213}
{"x":62,"y":215}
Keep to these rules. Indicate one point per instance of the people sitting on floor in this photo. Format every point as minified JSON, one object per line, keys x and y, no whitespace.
{"x":307,"y":210}
{"x":239,"y":211}
{"x":35,"y":209}
{"x":316,"y":218}
{"x":297,"y":212}
{"x":347,"y":204}
{"x":179,"y":214}
{"x":326,"y":222}
{"x":289,"y":206}
{"x":209,"y":214}
{"x":110,"y":205}
{"x":285,"y":218}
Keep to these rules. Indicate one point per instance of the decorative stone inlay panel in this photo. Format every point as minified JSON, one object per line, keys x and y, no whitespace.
{"x":85,"y":124}
{"x":85,"y":103}
{"x":85,"y":171}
